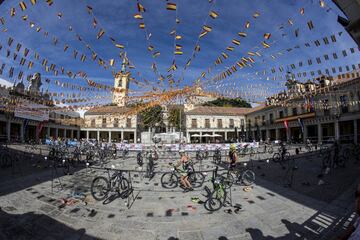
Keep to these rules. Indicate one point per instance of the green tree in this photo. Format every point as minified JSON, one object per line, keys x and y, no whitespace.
{"x":151,"y":117}
{"x":174,"y":117}
{"x":228,"y":102}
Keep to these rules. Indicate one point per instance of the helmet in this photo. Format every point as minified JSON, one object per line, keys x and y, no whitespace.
{"x":232,"y":146}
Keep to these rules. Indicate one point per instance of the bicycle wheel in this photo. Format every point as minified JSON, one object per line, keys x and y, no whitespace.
{"x":100,"y":188}
{"x":196,"y":179}
{"x":248,"y":177}
{"x":123,"y":185}
{"x":169,"y":180}
{"x":212,"y":203}
{"x":228,"y":179}
{"x":270,"y":150}
{"x":286,"y":157}
{"x":276,"y":157}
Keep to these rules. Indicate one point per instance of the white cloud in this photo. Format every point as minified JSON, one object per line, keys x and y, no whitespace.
{"x":6,"y":83}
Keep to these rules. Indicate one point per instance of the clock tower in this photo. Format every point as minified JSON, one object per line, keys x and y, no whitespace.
{"x":121,"y":85}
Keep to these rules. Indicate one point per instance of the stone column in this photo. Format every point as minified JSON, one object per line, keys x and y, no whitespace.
{"x":355,"y":131}
{"x":337,"y":130}
{"x":98,"y":136}
{"x":200,"y":137}
{"x":305,"y":134}
{"x":109,"y":136}
{"x":87,"y":135}
{"x":188,"y":136}
{"x":78,"y":134}
{"x":22,"y":131}
{"x":48,"y":132}
{"x":277,"y":133}
{"x":72,"y":134}
{"x":267,"y":134}
{"x":8,"y":129}
{"x":226,"y":138}
{"x":122,"y":135}
{"x":288,"y":134}
{"x":135,"y":136}
{"x":319,"y":132}
{"x":56,"y":132}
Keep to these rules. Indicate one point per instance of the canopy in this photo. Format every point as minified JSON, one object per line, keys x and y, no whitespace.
{"x":207,"y":135}
{"x":195,"y":135}
{"x":217,"y":135}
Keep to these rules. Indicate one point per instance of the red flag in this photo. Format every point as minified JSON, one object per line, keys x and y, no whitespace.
{"x":286,"y":124}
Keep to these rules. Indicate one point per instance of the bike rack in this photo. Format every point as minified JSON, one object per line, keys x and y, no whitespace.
{"x":54,"y":174}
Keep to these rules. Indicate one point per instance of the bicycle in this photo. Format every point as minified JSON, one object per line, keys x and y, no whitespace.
{"x":247,"y":149}
{"x":281,"y":156}
{"x":102,"y":186}
{"x":216,"y":198}
{"x":217,"y":156}
{"x":171,"y":179}
{"x":237,"y":175}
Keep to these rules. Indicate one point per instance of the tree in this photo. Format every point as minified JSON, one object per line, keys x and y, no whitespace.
{"x":228,"y":102}
{"x":151,"y":117}
{"x":174,"y":117}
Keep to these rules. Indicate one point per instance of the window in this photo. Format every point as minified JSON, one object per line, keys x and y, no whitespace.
{"x":281,"y":114}
{"x":219,"y":123}
{"x":271,"y":117}
{"x":104,"y":122}
{"x":294,"y":111}
{"x":193,"y":123}
{"x":128,"y":122}
{"x":326,"y":108}
{"x":263,"y":120}
{"x":207,"y":123}
{"x":92,"y":122}
{"x":116,"y":122}
{"x":242,"y":122}
{"x":343,"y":103}
{"x":231,"y":123}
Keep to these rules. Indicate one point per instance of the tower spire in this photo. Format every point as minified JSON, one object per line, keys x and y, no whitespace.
{"x":123,"y":65}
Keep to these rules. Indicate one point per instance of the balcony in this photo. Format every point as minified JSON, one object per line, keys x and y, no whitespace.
{"x":293,"y":118}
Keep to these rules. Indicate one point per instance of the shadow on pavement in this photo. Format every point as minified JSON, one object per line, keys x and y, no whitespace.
{"x":37,"y":226}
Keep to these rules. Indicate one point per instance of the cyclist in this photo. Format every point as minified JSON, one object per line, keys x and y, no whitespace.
{"x":183,"y":166}
{"x":282,"y":149}
{"x":232,"y":157}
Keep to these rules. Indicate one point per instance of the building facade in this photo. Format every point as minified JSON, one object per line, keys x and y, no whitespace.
{"x":204,"y":123}
{"x":322,"y":112}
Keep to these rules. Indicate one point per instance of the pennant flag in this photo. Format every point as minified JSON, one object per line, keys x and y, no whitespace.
{"x":140,"y":7}
{"x":203,"y":33}
{"x":322,"y":3}
{"x":247,"y":24}
{"x":207,"y":28}
{"x":267,"y":36}
{"x":225,"y":56}
{"x":94,"y":23}
{"x":171,"y":6}
{"x":112,"y":62}
{"x":33,"y":2}
{"x":302,"y":11}
{"x":142,"y":25}
{"x":178,"y":52}
{"x":49,"y":2}
{"x":119,"y":45}
{"x":242,"y":34}
{"x":265,"y":45}
{"x":290,"y":22}
{"x":178,"y":47}
{"x":156,"y":54}
{"x":12,"y":12}
{"x":178,"y":37}
{"x":2,"y":20}
{"x":230,"y":48}
{"x":83,"y":57}
{"x":22,"y":5}
{"x":213,"y":14}
{"x":236,"y":42}
{"x":310,"y":25}
{"x":10,"y":41}
{"x":138,"y":16}
{"x":100,"y":34}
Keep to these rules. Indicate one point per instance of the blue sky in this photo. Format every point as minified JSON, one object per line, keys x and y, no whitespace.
{"x":116,"y":18}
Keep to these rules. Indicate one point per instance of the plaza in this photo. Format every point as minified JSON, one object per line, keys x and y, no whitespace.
{"x":180,"y":120}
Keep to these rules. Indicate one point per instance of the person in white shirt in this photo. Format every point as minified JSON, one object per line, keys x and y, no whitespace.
{"x":353,"y":232}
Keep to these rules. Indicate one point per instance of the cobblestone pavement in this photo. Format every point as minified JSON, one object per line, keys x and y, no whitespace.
{"x":32,"y":209}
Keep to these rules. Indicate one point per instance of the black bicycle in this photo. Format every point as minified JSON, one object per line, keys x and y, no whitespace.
{"x":171,"y":179}
{"x":217,"y":156}
{"x":102,"y":186}
{"x":238,"y":175}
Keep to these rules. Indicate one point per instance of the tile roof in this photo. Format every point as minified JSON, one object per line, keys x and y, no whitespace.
{"x":107,"y":110}
{"x":229,"y":111}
